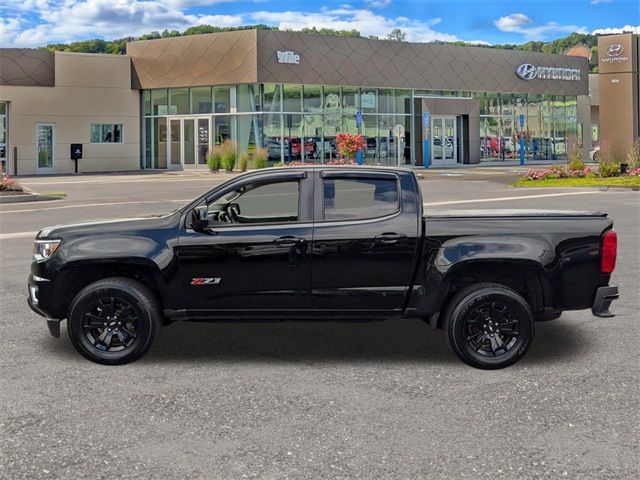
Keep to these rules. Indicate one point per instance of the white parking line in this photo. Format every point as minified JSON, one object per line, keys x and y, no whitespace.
{"x":86,"y":205}
{"x":505,"y":199}
{"x":9,"y":236}
{"x":168,"y":178}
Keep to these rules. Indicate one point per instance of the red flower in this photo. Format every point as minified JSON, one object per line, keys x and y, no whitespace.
{"x":349,"y":144}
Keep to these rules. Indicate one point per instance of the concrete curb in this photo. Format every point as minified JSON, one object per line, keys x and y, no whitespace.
{"x":28,"y":197}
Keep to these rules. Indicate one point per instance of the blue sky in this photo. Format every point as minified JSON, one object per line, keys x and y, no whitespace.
{"x":32,"y":23}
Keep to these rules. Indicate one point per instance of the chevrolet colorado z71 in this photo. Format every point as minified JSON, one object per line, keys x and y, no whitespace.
{"x":328,"y":243}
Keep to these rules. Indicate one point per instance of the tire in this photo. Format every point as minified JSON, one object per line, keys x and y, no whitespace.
{"x":489,"y":326}
{"x":596,"y":157}
{"x":113,"y":321}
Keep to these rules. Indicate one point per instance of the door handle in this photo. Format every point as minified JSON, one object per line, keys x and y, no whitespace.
{"x":288,"y":241}
{"x":389,"y":238}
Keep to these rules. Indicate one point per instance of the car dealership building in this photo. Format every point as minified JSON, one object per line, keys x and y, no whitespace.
{"x":168,"y":102}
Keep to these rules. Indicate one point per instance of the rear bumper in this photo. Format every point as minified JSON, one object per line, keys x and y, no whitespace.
{"x":604,"y":297}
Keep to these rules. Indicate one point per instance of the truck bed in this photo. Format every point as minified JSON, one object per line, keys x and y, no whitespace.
{"x":500,"y":213}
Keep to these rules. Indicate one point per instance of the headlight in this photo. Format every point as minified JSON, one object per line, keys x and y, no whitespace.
{"x":43,"y":249}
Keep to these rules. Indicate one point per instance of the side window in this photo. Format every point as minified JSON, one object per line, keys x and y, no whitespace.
{"x":106,"y":133}
{"x":359,"y":198}
{"x":258,"y":203}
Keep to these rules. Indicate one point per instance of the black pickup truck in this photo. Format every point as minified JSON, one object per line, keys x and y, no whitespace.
{"x":342,"y":243}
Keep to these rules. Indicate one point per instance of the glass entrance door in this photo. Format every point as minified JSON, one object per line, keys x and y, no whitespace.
{"x":203,"y":141}
{"x":174,"y":143}
{"x":45,"y":148}
{"x":444,"y":139}
{"x":189,"y":142}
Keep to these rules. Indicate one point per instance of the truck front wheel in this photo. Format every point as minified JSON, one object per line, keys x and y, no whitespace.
{"x":489,"y":326}
{"x":113,"y":321}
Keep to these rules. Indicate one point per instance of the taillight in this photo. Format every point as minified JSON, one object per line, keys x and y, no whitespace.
{"x":609,"y":251}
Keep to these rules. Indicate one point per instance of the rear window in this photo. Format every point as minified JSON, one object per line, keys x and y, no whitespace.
{"x":359,"y":198}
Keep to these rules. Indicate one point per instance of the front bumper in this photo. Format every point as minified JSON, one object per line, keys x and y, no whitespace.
{"x":34,"y":303}
{"x":604,"y":297}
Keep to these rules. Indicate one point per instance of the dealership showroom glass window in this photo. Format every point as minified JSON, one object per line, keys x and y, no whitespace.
{"x":3,"y":136}
{"x":300,"y":122}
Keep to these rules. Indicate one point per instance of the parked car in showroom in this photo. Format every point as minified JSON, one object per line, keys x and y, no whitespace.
{"x":344,"y":243}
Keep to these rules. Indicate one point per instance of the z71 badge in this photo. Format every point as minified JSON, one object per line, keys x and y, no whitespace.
{"x":205,"y":281}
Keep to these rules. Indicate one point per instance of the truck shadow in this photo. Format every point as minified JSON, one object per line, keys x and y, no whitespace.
{"x":392,"y":340}
{"x":386,"y":341}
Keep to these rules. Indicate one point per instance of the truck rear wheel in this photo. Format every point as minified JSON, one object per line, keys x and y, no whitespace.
{"x":489,"y":326}
{"x":113,"y":321}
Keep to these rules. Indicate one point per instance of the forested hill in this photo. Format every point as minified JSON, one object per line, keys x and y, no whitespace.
{"x":118,"y":46}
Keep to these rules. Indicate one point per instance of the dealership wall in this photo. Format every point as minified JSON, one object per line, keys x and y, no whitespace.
{"x":88,"y":89}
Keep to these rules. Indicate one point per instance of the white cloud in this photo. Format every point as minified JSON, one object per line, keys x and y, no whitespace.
{"x":480,"y":43}
{"x":615,"y":30}
{"x":9,"y":28}
{"x":70,"y":20}
{"x":348,"y":18}
{"x":596,"y":2}
{"x":521,"y":23}
{"x":513,"y":23}
{"x":378,"y":3}
{"x":53,"y":21}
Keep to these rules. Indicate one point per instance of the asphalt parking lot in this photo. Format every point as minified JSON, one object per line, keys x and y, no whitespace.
{"x":317,"y":400}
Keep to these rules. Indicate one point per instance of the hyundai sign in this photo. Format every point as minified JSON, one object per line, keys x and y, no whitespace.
{"x":527,"y":71}
{"x":614,"y":53}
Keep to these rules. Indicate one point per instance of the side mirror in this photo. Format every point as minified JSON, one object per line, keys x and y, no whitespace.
{"x":200,"y":217}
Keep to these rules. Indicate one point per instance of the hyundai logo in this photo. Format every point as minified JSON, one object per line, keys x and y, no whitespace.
{"x":526,"y":71}
{"x":614,"y":50}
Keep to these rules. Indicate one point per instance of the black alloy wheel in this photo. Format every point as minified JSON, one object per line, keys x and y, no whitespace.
{"x":489,"y":326}
{"x":492,"y":328}
{"x":111,"y":324}
{"x":113,"y":321}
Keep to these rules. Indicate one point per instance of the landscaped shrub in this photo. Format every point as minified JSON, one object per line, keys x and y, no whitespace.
{"x":8,"y":184}
{"x":605,"y":154}
{"x":349,"y":144}
{"x":558,"y":171}
{"x":214,"y":159}
{"x":340,"y":161}
{"x":574,"y":155}
{"x":608,"y":169}
{"x":243,"y":161}
{"x":260,"y":158}
{"x":633,"y":156}
{"x":228,"y":157}
{"x":609,"y":163}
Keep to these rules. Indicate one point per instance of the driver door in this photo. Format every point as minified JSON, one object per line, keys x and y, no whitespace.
{"x":255,"y":256}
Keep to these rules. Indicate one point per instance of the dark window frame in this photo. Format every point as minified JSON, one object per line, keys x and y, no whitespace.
{"x":285,"y":179}
{"x":355,"y":176}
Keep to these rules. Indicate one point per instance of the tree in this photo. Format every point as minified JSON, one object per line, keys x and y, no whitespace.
{"x":398,"y":35}
{"x":119,"y":46}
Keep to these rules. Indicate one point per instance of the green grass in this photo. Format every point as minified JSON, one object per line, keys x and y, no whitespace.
{"x":581,"y":182}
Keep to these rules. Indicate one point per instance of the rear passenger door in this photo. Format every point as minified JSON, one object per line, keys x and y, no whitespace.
{"x":364,"y":242}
